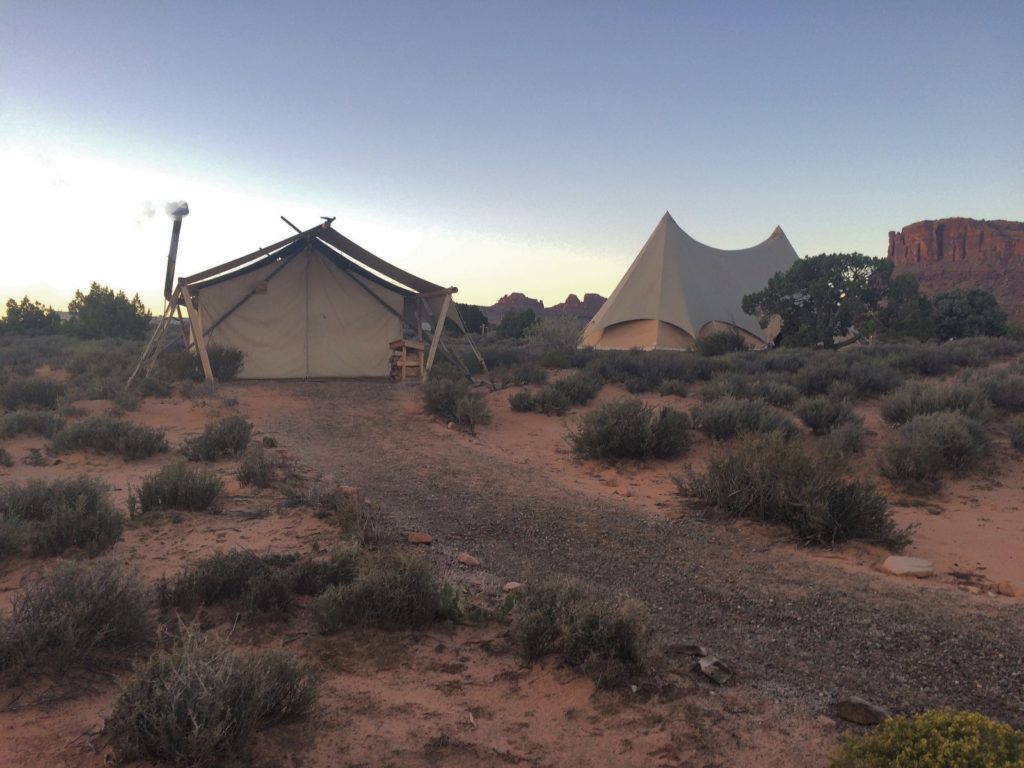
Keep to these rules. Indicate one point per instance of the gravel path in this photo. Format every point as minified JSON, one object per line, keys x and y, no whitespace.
{"x":800,"y":632}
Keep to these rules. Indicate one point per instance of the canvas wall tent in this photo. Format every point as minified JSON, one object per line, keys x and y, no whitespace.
{"x":315,"y":305}
{"x":678,"y":290}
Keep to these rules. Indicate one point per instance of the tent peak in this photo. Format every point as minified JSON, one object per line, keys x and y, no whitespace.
{"x":777,"y":232}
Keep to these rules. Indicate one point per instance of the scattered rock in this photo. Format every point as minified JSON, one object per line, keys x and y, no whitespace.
{"x":269,"y":441}
{"x":715,"y":669}
{"x":861,"y":711}
{"x":917,"y":567}
{"x":1007,"y":588}
{"x":418,"y":537}
{"x":450,"y":425}
{"x":468,"y":560}
{"x":511,"y":586}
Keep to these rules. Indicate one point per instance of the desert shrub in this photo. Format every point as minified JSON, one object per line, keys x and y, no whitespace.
{"x":579,"y":388}
{"x":5,"y":458}
{"x":926,"y":359}
{"x":105,"y":434}
{"x":54,"y":516}
{"x":551,"y":401}
{"x":152,"y":386}
{"x":31,"y":393}
{"x":867,"y":378}
{"x":928,"y":446}
{"x":198,"y":704}
{"x":179,"y":486}
{"x":726,"y":417}
{"x":470,"y":411}
{"x":752,"y":387}
{"x":313,"y":577}
{"x":197,"y":390}
{"x":224,"y":437}
{"x":258,"y":468}
{"x":522,"y":373}
{"x":555,"y":339}
{"x":767,"y":478}
{"x":644,"y":371}
{"x":629,"y":429}
{"x":521,"y":401}
{"x":225,"y":362}
{"x":916,"y":398}
{"x":721,"y":343}
{"x":934,"y":738}
{"x":72,"y":614}
{"x":101,"y":313}
{"x":1005,"y":391}
{"x":357,"y":518}
{"x":390,"y":592}
{"x":1015,"y":428}
{"x":607,"y":642}
{"x":673,"y":387}
{"x":42,"y":423}
{"x":260,"y":583}
{"x":441,"y":395}
{"x":846,"y":438}
{"x":822,"y":414}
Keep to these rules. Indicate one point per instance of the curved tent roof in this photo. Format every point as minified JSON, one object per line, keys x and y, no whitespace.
{"x":677,"y":288}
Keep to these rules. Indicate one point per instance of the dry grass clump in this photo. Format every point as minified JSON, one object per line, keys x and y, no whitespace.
{"x":71,"y":615}
{"x":930,"y":446}
{"x":916,"y":398}
{"x":389,"y":592}
{"x":673,"y":388}
{"x":346,"y":508}
{"x":224,"y":437}
{"x":452,"y":399}
{"x":258,"y":468}
{"x":1015,"y":428}
{"x":938,"y":738}
{"x":51,"y":517}
{"x":629,"y":429}
{"x":105,"y":434}
{"x":1005,"y":390}
{"x":644,"y":371}
{"x":26,"y":422}
{"x":727,"y":417}
{"x":721,"y":343}
{"x":846,"y":439}
{"x":199,"y":704}
{"x":180,"y":486}
{"x":823,"y":414}
{"x":864,"y":376}
{"x":767,"y":478}
{"x":610,"y":643}
{"x":31,"y":393}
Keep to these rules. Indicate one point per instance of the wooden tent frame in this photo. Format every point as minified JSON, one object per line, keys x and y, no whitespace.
{"x":344,"y":254}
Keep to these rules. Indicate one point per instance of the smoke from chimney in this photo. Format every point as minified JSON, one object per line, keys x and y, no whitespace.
{"x":178,"y":210}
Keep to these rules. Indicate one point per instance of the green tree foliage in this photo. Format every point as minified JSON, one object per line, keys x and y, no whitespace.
{"x":821,"y":298}
{"x":515,"y":323}
{"x":472,"y":317}
{"x":959,"y":314}
{"x":30,"y":316}
{"x":101,"y":313}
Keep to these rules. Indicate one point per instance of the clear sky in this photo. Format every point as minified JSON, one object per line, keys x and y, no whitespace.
{"x":512,"y":146}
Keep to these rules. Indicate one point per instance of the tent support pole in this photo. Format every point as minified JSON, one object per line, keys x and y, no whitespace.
{"x":152,"y":340}
{"x":438,"y":332}
{"x":469,"y":338}
{"x":197,"y":331}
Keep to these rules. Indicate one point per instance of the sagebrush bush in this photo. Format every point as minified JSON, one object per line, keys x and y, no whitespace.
{"x":199,"y":704}
{"x":42,"y":423}
{"x":357,"y":518}
{"x":258,"y":583}
{"x":865,"y":377}
{"x":179,"y":486}
{"x":630,"y":429}
{"x":720,"y":343}
{"x":846,"y":439}
{"x":767,"y":478}
{"x":54,"y":516}
{"x":105,"y":434}
{"x":643,"y":371}
{"x":578,"y":388}
{"x":551,"y":401}
{"x":916,"y":398}
{"x":313,"y":577}
{"x":935,"y":739}
{"x":727,"y":417}
{"x":258,"y":468}
{"x":442,"y":394}
{"x":521,"y":401}
{"x":822,"y":414}
{"x":471,"y":411}
{"x":1005,"y":390}
{"x":225,"y":362}
{"x":224,"y":437}
{"x":608,"y":642}
{"x":1015,"y":428}
{"x":6,"y":460}
{"x":70,"y":615}
{"x":31,"y":393}
{"x":674,"y":388}
{"x":390,"y":592}
{"x":929,"y":446}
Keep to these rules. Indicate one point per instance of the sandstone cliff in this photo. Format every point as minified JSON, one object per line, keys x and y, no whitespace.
{"x":573,"y":306}
{"x":965,"y":253}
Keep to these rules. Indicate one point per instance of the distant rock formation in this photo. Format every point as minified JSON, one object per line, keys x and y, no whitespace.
{"x":965,"y":253}
{"x":573,"y":306}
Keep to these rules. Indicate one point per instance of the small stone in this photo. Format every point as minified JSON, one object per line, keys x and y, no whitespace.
{"x":861,"y":711}
{"x":468,"y":560}
{"x":898,"y":565}
{"x":1007,"y":588}
{"x":715,"y":669}
{"x":450,"y":425}
{"x":269,"y":441}
{"x":418,"y":537}
{"x":511,"y":586}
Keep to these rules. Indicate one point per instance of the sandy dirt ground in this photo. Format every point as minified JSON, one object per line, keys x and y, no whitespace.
{"x":799,"y":627}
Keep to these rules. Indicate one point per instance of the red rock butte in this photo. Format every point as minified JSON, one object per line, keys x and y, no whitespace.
{"x":965,"y":253}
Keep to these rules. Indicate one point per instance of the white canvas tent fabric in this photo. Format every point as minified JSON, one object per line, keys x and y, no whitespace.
{"x":313,"y":306}
{"x":678,"y":289}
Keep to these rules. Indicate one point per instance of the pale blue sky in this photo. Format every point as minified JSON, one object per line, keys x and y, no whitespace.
{"x":496,"y":146}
